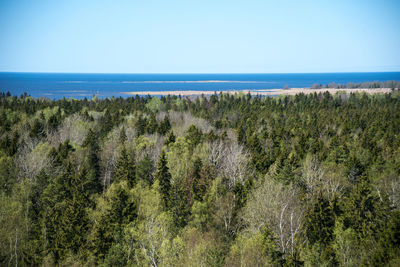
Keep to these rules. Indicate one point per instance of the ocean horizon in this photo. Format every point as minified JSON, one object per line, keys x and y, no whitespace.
{"x":103,"y":85}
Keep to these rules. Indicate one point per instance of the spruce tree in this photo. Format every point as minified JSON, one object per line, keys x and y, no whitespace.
{"x":364,"y":212}
{"x":152,"y":125}
{"x":141,"y":125}
{"x":91,"y":143}
{"x":164,"y":178}
{"x":164,"y":126}
{"x":122,"y":136}
{"x":319,"y":222}
{"x":63,"y":216}
{"x":170,"y":139}
{"x":126,"y":168}
{"x":196,"y":180}
{"x":144,"y":169}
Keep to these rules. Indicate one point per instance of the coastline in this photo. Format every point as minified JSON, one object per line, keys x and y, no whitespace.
{"x":264,"y":92}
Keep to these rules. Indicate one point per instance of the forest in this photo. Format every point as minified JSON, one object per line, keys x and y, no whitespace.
{"x":222,"y":180}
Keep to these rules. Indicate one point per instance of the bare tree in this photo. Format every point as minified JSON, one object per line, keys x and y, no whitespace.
{"x":130,"y":133}
{"x":231,"y":161}
{"x":225,"y":211}
{"x":32,"y":159}
{"x":277,"y":206}
{"x":312,"y":174}
{"x":109,"y":156}
{"x":182,"y":121}
{"x":154,"y":151}
{"x":390,"y":186}
{"x":74,"y":128}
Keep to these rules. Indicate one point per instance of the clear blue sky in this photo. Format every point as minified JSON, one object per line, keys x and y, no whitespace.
{"x":208,"y":36}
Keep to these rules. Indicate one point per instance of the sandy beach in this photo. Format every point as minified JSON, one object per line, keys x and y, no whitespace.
{"x":265,"y":92}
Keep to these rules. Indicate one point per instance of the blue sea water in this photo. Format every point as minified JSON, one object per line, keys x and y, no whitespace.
{"x":59,"y":85}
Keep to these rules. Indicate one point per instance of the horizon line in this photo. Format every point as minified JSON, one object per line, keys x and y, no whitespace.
{"x":183,"y":73}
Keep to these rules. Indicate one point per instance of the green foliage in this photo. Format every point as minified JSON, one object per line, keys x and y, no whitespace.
{"x":309,"y":179}
{"x":364,"y":211}
{"x":319,"y":222}
{"x":151,"y":233}
{"x":115,"y":210}
{"x":64,"y":219}
{"x":194,"y":136}
{"x":164,"y":127}
{"x":125,"y":169}
{"x":170,"y":138}
{"x":91,"y":143}
{"x":254,"y":250}
{"x":141,"y":125}
{"x":37,"y":129}
{"x":144,"y":169}
{"x":152,"y":125}
{"x":164,"y":178}
{"x":154,"y":104}
{"x":8,"y":174}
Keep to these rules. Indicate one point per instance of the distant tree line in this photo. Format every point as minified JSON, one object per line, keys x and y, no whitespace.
{"x":350,"y":85}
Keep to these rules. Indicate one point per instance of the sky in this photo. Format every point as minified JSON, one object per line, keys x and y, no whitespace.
{"x":208,"y":36}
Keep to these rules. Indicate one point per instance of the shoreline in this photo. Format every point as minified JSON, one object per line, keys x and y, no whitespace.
{"x":263,"y":92}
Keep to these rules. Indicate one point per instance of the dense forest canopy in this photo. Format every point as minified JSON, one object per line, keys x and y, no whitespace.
{"x":225,"y":180}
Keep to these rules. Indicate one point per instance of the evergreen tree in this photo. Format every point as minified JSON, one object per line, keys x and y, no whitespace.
{"x":164,"y":126}
{"x":170,"y":139}
{"x":8,"y":174}
{"x":270,"y":249}
{"x":117,"y":208}
{"x":37,"y":129}
{"x":125,"y":169}
{"x":194,"y":136}
{"x":367,"y":215}
{"x":141,"y":126}
{"x":197,"y":186}
{"x":319,"y":222}
{"x":106,"y":123}
{"x":144,"y":170}
{"x":122,"y":136}
{"x":63,"y":216}
{"x":152,"y":124}
{"x":91,"y":143}
{"x":164,"y":178}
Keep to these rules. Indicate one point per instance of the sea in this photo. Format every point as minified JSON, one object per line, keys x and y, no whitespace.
{"x":81,"y":85}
